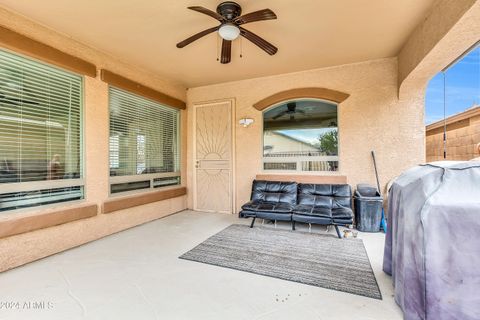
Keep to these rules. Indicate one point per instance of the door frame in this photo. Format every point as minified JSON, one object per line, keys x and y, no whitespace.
{"x":232,"y":151}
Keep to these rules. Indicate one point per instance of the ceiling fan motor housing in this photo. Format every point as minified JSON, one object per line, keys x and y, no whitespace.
{"x":229,"y":10}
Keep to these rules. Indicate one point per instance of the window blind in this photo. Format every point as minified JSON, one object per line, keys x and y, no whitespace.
{"x":144,"y":143}
{"x":40,"y":133}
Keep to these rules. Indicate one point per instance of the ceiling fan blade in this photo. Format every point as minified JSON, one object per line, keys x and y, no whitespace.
{"x":226,"y":51}
{"x":208,"y":12}
{"x":261,"y":43}
{"x":196,"y":37}
{"x":265,"y":14}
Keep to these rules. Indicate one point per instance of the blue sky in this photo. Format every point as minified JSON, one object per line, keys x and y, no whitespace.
{"x":462,"y":88}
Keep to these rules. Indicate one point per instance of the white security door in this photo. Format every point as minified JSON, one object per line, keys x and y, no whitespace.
{"x":213,"y":157}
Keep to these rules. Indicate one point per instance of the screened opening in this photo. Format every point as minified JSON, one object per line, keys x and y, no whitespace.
{"x":144,"y":143}
{"x":301,"y":135}
{"x":40,"y":133}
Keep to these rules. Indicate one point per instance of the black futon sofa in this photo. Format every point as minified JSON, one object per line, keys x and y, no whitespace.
{"x":326,"y":204}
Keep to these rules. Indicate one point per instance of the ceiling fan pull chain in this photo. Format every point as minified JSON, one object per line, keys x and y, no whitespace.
{"x":241,"y":47}
{"x":218,"y":47}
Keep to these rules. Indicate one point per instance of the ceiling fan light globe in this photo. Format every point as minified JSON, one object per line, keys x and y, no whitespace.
{"x":229,"y":32}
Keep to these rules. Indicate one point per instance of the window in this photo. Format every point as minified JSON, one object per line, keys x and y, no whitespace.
{"x":144,"y":143}
{"x":301,"y":135}
{"x":40,"y":133}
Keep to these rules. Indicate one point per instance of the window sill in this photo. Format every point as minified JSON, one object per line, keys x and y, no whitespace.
{"x":13,"y":225}
{"x":125,"y":202}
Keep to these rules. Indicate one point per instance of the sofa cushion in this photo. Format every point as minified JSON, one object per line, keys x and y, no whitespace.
{"x":279,"y":216}
{"x":274,"y":192}
{"x":311,"y":219}
{"x":342,"y":213}
{"x":261,"y":206}
{"x":325,"y":195}
{"x":313,"y":211}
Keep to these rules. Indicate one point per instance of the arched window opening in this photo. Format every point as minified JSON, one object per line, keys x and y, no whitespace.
{"x":301,"y":135}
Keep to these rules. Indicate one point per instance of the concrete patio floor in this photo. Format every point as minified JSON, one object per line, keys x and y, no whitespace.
{"x":136,"y":274}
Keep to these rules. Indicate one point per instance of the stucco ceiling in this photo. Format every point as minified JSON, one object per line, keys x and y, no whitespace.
{"x":309,"y":33}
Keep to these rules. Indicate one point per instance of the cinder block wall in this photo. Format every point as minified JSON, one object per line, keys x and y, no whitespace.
{"x":463,"y":135}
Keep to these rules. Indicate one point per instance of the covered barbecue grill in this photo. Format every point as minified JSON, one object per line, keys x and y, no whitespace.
{"x":432,"y":247}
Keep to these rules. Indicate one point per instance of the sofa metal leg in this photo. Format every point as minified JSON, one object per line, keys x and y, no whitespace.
{"x":253,"y":221}
{"x":338,"y":231}
{"x":293,"y":225}
{"x":275,"y":224}
{"x":310,"y":227}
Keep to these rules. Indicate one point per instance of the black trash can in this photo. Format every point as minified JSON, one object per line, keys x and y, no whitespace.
{"x":368,"y":208}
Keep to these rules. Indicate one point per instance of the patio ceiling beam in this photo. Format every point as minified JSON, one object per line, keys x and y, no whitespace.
{"x":301,"y":93}
{"x":138,"y":88}
{"x":17,"y":42}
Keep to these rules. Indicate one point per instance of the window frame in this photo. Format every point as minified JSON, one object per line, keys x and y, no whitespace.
{"x":150,"y":177}
{"x":31,"y":186}
{"x":299,"y":160}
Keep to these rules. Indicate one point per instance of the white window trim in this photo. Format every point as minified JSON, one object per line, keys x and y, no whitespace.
{"x":143,"y":177}
{"x":140,"y":177}
{"x":40,"y":185}
{"x":298,"y":161}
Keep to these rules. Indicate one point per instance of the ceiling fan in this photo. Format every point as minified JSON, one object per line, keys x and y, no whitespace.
{"x":291,"y":110}
{"x":230,"y":18}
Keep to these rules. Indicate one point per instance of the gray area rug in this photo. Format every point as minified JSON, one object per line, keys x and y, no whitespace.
{"x":314,"y":259}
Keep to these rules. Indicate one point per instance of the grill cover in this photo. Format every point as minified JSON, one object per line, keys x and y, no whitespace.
{"x":432,"y":248}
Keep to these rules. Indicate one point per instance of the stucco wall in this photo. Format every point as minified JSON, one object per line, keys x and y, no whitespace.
{"x":20,"y":249}
{"x":372,"y":118}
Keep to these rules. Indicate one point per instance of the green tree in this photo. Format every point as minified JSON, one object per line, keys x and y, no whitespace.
{"x":328,"y":142}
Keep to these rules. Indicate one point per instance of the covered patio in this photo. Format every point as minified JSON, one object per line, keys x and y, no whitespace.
{"x":137,"y":273}
{"x":199,"y":160}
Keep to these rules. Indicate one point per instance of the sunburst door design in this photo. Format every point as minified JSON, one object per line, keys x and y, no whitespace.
{"x":213,"y":152}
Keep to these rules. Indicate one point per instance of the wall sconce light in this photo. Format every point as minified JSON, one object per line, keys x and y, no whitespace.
{"x":245,"y":122}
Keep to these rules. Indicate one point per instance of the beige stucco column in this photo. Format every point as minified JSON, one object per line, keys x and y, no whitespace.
{"x":96,"y":133}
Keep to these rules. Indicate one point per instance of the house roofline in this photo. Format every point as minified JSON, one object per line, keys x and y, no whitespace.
{"x":471,"y":112}
{"x":294,"y":139}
